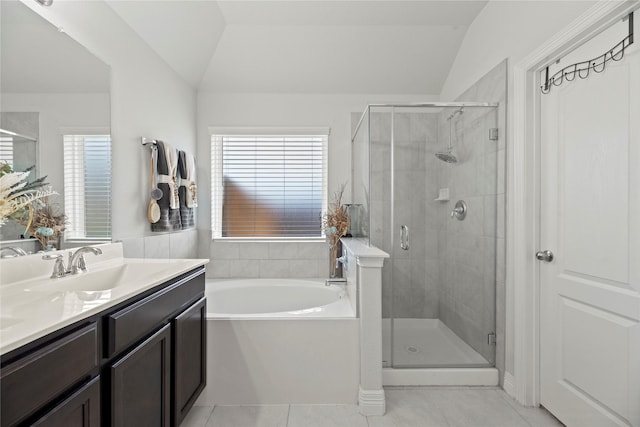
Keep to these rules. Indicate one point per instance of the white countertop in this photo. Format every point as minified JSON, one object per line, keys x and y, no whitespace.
{"x":33,"y":305}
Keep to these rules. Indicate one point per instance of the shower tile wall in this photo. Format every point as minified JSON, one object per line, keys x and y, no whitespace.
{"x":455,"y":270}
{"x":415,"y":272}
{"x":472,"y":251}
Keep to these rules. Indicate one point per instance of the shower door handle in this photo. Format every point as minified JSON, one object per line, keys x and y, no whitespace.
{"x":404,"y":237}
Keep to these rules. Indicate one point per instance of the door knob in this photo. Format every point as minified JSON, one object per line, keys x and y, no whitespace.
{"x":546,"y":256}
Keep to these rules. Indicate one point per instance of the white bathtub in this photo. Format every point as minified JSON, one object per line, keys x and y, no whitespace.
{"x":280,"y":341}
{"x":275,"y":298}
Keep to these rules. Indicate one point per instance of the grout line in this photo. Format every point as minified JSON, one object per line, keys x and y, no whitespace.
{"x":288,"y":413}
{"x":206,"y":422}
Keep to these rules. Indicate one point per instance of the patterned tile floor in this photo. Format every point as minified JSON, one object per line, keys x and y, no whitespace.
{"x":406,"y":407}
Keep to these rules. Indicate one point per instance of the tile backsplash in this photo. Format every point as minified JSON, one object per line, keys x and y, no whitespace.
{"x":268,"y":259}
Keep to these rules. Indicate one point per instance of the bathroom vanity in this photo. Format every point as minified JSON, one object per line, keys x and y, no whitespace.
{"x":137,"y":358}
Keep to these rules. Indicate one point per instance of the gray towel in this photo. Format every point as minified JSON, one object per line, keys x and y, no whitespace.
{"x":186,"y":167}
{"x":169,"y":218}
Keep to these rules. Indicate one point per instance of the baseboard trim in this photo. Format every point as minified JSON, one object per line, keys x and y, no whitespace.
{"x":371,"y":402}
{"x":509,"y":385}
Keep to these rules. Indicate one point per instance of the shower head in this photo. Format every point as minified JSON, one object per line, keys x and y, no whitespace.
{"x":447,"y":156}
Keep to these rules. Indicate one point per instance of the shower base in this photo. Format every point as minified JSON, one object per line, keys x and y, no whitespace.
{"x":429,"y":342}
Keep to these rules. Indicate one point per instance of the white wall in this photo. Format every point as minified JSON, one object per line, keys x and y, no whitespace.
{"x":287,"y":110}
{"x":56,"y":111}
{"x":147,"y":99}
{"x":506,"y":29}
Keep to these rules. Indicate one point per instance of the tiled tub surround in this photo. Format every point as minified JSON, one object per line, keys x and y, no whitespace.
{"x":268,"y":259}
{"x":328,"y":354}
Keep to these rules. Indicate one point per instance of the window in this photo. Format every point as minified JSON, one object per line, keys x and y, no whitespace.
{"x":87,"y":186}
{"x":268,"y":184}
{"x":6,"y":150}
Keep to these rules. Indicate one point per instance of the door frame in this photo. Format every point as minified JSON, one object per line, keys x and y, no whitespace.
{"x":522,"y":295}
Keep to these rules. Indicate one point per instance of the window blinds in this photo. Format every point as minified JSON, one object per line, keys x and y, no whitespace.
{"x":87,"y":186}
{"x":6,"y":150}
{"x":268,"y":186}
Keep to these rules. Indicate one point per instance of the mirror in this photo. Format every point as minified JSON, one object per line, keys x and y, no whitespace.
{"x":51,"y":87}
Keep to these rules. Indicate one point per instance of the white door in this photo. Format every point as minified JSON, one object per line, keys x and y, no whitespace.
{"x":590,"y":220}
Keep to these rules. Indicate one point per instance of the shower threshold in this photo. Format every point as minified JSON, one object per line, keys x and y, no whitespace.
{"x":427,"y":352}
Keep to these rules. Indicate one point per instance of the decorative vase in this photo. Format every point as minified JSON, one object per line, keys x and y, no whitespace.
{"x":335,"y":268}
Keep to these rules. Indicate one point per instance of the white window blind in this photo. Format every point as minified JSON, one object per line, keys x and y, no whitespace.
{"x":268,"y":186}
{"x":87,"y":186}
{"x":6,"y":150}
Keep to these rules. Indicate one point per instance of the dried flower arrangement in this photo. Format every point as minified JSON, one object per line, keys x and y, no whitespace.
{"x":45,"y":222}
{"x":17,"y":194}
{"x":335,"y":224}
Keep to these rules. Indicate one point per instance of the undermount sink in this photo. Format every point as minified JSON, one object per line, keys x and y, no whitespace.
{"x":102,"y":280}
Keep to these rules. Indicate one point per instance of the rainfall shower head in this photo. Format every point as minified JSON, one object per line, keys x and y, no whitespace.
{"x":447,"y":156}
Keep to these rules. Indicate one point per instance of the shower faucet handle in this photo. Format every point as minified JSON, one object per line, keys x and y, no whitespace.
{"x":460,"y":210}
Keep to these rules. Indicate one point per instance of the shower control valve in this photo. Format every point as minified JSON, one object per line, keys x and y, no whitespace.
{"x":460,"y":211}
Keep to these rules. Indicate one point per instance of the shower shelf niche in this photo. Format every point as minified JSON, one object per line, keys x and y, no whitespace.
{"x":443,"y":195}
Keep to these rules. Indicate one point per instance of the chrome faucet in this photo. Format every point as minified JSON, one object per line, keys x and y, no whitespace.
{"x":16,"y":252}
{"x":335,"y":281}
{"x":77,"y":263}
{"x":58,"y":268}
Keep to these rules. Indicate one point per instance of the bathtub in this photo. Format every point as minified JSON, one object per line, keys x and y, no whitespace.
{"x":276,"y":298}
{"x":280,"y":341}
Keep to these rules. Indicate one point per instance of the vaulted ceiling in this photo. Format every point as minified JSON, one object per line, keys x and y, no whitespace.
{"x":305,"y":46}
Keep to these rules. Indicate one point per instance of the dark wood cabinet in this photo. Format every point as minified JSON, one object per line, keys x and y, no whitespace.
{"x":30,"y":382}
{"x":141,"y":383}
{"x":141,"y":362}
{"x":81,"y":409}
{"x":189,"y":358}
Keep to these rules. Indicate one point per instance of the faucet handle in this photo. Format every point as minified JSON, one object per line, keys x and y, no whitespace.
{"x":58,"y":268}
{"x":82,"y":264}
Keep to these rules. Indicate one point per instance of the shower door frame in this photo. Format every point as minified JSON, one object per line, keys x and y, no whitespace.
{"x":419,"y":105}
{"x":367,"y":112}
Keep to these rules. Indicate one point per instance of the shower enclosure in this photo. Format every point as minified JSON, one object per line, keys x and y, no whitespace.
{"x":426,"y":178}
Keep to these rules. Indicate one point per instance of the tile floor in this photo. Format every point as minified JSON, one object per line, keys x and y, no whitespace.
{"x":406,"y":407}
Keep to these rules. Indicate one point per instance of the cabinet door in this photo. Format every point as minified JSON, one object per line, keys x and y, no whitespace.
{"x":141,"y":383}
{"x":190,"y":358}
{"x":81,"y":409}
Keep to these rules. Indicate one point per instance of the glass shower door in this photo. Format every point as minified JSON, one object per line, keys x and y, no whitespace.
{"x":442,"y":270}
{"x":414,"y":266}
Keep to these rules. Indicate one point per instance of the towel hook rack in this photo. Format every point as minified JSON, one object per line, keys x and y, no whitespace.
{"x":597,"y":64}
{"x":149,"y":141}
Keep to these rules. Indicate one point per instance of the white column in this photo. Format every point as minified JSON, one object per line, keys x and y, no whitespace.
{"x":369,"y":260}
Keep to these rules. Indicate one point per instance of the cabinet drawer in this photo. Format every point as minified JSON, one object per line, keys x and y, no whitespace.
{"x":129,"y":325}
{"x":43,"y":375}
